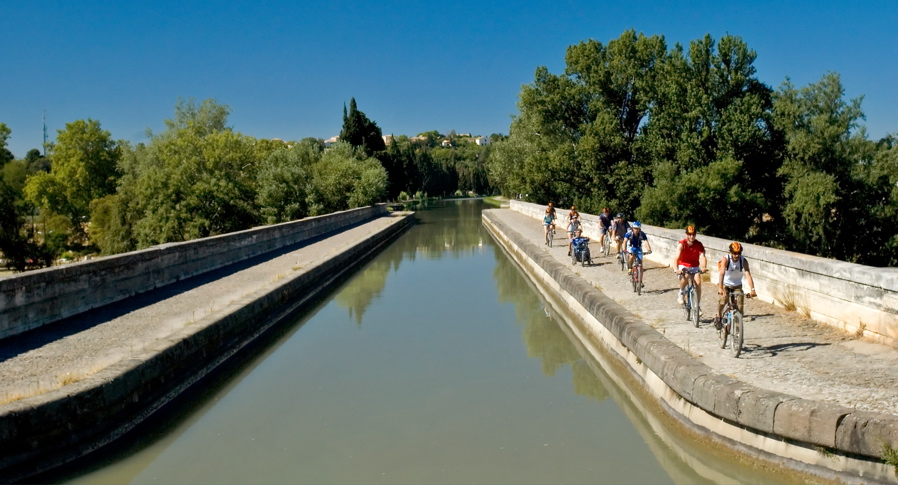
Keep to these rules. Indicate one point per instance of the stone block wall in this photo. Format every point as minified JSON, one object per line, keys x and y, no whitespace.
{"x":36,"y":298}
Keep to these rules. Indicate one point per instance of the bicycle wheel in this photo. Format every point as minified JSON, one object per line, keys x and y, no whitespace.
{"x":551,"y":236}
{"x":687,"y":305}
{"x":693,"y":298}
{"x":606,"y":246}
{"x":637,"y":277}
{"x":623,"y":261}
{"x":737,"y":331}
{"x":724,"y":330}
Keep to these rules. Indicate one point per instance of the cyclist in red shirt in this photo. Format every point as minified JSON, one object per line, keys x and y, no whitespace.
{"x":690,"y":263}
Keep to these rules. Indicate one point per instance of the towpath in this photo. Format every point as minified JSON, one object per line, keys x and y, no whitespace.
{"x":73,"y":349}
{"x":783,"y":351}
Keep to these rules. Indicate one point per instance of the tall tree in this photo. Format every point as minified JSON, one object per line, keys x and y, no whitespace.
{"x":85,"y":167}
{"x":359,"y":131}
{"x":5,"y":154}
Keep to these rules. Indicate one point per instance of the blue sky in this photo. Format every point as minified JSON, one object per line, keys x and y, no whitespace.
{"x":287,"y":68}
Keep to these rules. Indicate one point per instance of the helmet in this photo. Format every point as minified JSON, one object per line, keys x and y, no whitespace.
{"x":690,"y":229}
{"x":736,"y":248}
{"x":619,"y":216}
{"x":637,"y":225}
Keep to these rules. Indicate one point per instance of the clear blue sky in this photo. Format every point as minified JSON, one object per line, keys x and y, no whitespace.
{"x":286,"y":68}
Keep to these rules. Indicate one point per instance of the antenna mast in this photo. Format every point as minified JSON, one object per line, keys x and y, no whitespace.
{"x":45,"y":132}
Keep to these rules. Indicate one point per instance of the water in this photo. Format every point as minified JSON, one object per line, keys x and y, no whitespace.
{"x":437,"y":362}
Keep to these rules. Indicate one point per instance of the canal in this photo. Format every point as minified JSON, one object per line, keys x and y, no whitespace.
{"x":436,"y":362}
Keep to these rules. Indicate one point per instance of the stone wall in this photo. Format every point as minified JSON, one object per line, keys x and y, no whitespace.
{"x":44,"y":431}
{"x":858,"y":299}
{"x":828,"y":440}
{"x":37,"y":298}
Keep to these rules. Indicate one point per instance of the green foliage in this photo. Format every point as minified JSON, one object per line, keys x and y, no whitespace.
{"x":344,"y":178}
{"x":190,"y":183}
{"x":5,"y":154}
{"x":85,"y":167}
{"x":284,"y":181}
{"x":359,"y":131}
{"x":691,"y":136}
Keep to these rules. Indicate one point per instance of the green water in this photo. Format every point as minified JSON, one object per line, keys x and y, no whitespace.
{"x":437,"y":362}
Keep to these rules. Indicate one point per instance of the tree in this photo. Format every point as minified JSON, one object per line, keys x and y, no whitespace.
{"x":284,"y":181}
{"x":359,"y":131}
{"x":36,"y":162}
{"x":204,"y":119}
{"x":344,"y":178}
{"x":823,"y":147}
{"x":5,"y":154}
{"x":711,"y":142}
{"x":85,"y":167}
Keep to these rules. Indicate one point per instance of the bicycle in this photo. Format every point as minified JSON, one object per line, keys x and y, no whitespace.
{"x":637,"y":273}
{"x":606,"y":245}
{"x":550,"y":235}
{"x":690,"y":299}
{"x":732,"y":323}
{"x":622,"y":258}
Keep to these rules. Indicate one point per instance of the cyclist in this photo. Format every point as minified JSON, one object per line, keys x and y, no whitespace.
{"x":731,"y":268}
{"x":573,"y":225}
{"x":549,"y":219}
{"x":690,"y":261}
{"x":634,"y":238}
{"x":619,"y":229}
{"x":604,"y":225}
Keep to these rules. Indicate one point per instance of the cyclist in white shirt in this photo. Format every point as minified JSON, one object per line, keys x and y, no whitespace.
{"x":731,"y":268}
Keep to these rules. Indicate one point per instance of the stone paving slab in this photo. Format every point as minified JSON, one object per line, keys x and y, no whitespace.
{"x":783,"y":351}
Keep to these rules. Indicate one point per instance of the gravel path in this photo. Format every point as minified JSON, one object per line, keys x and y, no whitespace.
{"x":783,"y":350}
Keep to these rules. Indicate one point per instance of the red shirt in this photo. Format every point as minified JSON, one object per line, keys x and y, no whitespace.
{"x":689,"y":255}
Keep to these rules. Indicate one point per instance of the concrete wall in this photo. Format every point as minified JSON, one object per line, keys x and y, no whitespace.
{"x":36,"y":298}
{"x":853,"y":297}
{"x":44,"y":431}
{"x":821,"y":438}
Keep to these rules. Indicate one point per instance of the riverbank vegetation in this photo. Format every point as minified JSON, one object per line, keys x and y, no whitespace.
{"x":672,"y":136}
{"x":200,"y":178}
{"x":689,"y":135}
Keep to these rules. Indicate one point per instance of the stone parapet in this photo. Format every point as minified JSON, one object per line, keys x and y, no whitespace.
{"x":36,"y":298}
{"x":858,"y":299}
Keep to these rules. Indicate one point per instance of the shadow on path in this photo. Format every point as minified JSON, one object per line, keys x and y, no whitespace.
{"x":46,"y":334}
{"x":755,"y":351}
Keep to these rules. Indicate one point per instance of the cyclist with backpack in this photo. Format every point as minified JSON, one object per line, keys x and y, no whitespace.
{"x":619,"y":229}
{"x":732,"y":267}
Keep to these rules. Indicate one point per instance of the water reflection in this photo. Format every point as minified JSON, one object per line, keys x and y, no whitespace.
{"x":542,"y":335}
{"x":454,"y":230}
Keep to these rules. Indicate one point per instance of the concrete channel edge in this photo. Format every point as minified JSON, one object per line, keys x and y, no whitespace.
{"x":823,"y":439}
{"x":50,"y":429}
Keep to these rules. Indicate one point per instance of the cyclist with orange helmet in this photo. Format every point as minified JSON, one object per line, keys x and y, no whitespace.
{"x":731,"y":268}
{"x":690,"y":263}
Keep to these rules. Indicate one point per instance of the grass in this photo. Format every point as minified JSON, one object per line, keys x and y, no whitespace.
{"x":860,"y":330}
{"x":890,"y":456}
